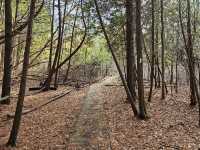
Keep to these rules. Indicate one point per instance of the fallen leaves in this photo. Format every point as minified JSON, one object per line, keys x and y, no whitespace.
{"x":172,"y":123}
{"x":48,"y":127}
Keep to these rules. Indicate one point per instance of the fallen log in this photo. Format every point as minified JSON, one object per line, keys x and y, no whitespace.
{"x":39,"y":88}
{"x":113,"y":85}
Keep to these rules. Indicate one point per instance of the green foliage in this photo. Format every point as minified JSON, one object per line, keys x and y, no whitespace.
{"x":41,"y":31}
{"x":95,"y":52}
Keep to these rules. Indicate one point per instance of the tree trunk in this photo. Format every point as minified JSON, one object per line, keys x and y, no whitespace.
{"x":8,"y":52}
{"x":172,"y":76}
{"x":58,"y":49}
{"x":18,"y":113}
{"x":163,"y":50}
{"x":2,"y":58}
{"x":191,"y":56}
{"x":130,"y":58}
{"x":189,"y":52}
{"x":199,"y":74}
{"x":176,"y":89}
{"x":62,"y":26}
{"x":19,"y":48}
{"x":152,"y":51}
{"x":142,"y":106}
{"x":51,"y":45}
{"x":129,"y":95}
{"x":71,"y":46}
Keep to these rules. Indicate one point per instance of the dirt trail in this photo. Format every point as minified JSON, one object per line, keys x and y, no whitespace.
{"x":89,"y":131}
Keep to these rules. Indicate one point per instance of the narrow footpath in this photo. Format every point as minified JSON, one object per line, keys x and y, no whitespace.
{"x":89,"y":131}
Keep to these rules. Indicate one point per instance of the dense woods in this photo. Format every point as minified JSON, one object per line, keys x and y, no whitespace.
{"x":102,"y":59}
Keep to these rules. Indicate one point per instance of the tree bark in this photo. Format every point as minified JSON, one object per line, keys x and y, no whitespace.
{"x":8,"y":52}
{"x":59,"y":44}
{"x":52,"y":36}
{"x":71,"y":46}
{"x":191,"y":56}
{"x":130,"y":58}
{"x":189,"y":52}
{"x":172,"y":76}
{"x":129,"y":95}
{"x":176,"y":88}
{"x":18,"y":112}
{"x":53,"y":68}
{"x":152,"y":51}
{"x":163,"y":50}
{"x":142,"y":106}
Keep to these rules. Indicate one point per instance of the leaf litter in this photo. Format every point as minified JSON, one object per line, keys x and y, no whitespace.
{"x":172,"y":123}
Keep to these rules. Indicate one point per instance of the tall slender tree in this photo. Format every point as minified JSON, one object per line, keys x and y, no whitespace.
{"x":142,"y":106}
{"x":59,"y":44}
{"x":162,"y":49}
{"x":152,"y":50}
{"x":189,"y":51}
{"x":52,"y":37}
{"x":71,"y":46}
{"x":176,"y":68}
{"x":18,"y":112}
{"x":130,"y":58}
{"x":8,"y":52}
{"x":129,"y":95}
{"x":191,"y":55}
{"x":57,"y":53}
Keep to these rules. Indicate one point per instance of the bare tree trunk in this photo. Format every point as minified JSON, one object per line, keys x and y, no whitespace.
{"x":71,"y":46}
{"x":59,"y":44}
{"x":19,"y":48}
{"x":189,"y":51}
{"x":58,"y":49}
{"x":130,"y":58}
{"x":191,"y":55}
{"x":51,"y":45}
{"x":18,"y":113}
{"x":129,"y":95}
{"x":142,"y":106}
{"x":199,"y":73}
{"x":163,"y":50}
{"x":176,"y":88}
{"x":8,"y":52}
{"x":152,"y":51}
{"x":172,"y":76}
{"x":155,"y":73}
{"x":2,"y":58}
{"x":156,"y":59}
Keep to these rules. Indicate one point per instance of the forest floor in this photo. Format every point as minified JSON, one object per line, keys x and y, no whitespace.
{"x":97,"y":117}
{"x":47,"y":127}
